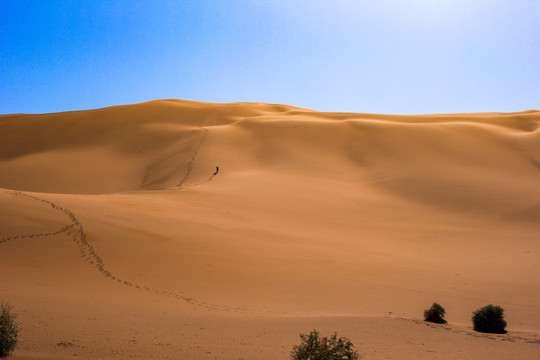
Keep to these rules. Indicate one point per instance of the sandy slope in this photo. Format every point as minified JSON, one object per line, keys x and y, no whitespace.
{"x":118,"y":240}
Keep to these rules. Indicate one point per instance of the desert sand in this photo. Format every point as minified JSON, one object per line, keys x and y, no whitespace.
{"x":187,"y":230}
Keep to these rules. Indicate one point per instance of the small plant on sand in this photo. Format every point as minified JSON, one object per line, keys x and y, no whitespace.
{"x":9,"y":330}
{"x":489,"y":319}
{"x":435,"y":314}
{"x":314,"y":347}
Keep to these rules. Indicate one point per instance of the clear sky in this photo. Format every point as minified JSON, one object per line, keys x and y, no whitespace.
{"x":379,"y":56}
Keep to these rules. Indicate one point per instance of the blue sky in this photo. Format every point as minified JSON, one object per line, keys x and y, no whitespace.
{"x":378,"y":56}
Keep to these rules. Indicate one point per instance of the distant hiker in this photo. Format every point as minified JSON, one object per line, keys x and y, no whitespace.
{"x":217,"y":170}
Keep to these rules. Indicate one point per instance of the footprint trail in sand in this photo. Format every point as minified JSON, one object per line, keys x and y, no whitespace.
{"x":76,"y":230}
{"x":190,"y":162}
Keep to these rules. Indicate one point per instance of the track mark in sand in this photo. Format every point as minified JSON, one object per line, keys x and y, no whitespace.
{"x":195,"y":153}
{"x":207,"y":180}
{"x":58,"y":232}
{"x":190,"y":165}
{"x":489,"y":336}
{"x":87,"y":251}
{"x":76,"y":230}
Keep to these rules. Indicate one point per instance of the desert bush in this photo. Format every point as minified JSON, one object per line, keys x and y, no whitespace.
{"x":314,"y":347}
{"x":9,"y":330}
{"x":489,"y":319}
{"x":435,"y":314}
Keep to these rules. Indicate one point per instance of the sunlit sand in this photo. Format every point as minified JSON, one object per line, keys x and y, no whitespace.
{"x":189,"y":230}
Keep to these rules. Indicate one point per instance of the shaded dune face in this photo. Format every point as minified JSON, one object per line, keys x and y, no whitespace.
{"x":123,"y":148}
{"x":457,"y":161}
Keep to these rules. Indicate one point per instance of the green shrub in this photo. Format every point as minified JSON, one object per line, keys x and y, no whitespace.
{"x":9,"y":330}
{"x":435,"y":314}
{"x":489,"y":319}
{"x":315,"y":348}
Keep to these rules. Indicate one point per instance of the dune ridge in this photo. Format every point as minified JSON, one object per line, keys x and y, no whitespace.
{"x":270,"y":218}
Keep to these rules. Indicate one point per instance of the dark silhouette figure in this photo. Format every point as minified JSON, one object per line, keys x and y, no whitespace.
{"x":217,"y":170}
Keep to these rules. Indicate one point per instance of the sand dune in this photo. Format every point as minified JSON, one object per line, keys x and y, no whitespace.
{"x":120,"y":238}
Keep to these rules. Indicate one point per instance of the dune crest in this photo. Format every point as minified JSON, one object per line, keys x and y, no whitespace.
{"x":153,"y":145}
